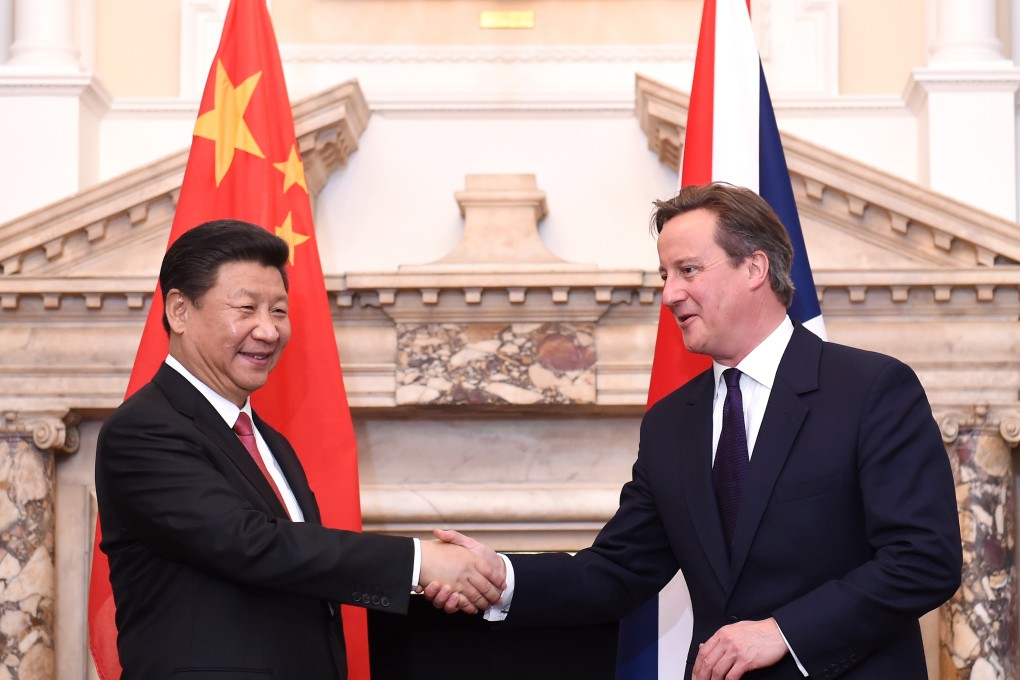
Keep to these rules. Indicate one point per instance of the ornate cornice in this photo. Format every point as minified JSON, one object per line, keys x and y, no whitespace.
{"x":978,"y":292}
{"x":56,"y":429}
{"x":1005,"y":421}
{"x":484,"y":54}
{"x":141,"y":203}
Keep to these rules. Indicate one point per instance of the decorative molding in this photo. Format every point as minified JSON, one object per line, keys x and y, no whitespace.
{"x":1003,"y":421}
{"x":855,"y":197}
{"x":925,"y":80}
{"x":50,"y":430}
{"x":1009,"y":427}
{"x":140,"y":202}
{"x":534,"y":103}
{"x":513,"y":516}
{"x":16,"y":81}
{"x":144,"y":106}
{"x":482,"y":54}
{"x":977,"y":292}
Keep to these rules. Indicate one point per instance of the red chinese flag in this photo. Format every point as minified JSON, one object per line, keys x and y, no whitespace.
{"x":244,"y":164}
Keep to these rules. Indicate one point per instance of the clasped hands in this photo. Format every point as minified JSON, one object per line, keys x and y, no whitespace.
{"x":460,"y":574}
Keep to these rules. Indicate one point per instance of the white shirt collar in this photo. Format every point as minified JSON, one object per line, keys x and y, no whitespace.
{"x":227,"y":409}
{"x":762,"y":363}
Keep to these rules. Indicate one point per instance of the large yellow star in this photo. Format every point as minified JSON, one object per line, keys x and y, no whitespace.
{"x":293,"y":171}
{"x":293,"y":239}
{"x":224,"y":124}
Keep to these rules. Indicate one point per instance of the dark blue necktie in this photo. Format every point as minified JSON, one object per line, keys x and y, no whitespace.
{"x":731,"y":458}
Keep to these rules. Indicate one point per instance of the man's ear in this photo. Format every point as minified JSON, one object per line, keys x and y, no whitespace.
{"x":178,"y":308}
{"x":758,"y":269}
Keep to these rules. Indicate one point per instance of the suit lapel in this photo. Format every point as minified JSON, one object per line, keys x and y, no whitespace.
{"x":784,"y":416}
{"x":697,"y":475}
{"x":190,"y":402}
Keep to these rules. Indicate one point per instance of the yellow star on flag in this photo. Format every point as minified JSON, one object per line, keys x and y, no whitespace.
{"x":293,"y":171}
{"x":293,"y":238}
{"x":224,"y":124}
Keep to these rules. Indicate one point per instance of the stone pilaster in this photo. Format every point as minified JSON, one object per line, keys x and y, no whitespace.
{"x":978,"y":625}
{"x":28,"y":442}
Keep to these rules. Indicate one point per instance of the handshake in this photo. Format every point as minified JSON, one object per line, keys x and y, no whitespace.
{"x":460,"y":574}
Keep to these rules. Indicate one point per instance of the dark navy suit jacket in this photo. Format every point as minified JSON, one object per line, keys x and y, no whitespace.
{"x":847,"y":532}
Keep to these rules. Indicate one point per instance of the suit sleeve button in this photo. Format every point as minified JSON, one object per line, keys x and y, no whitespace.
{"x":375,"y":599}
{"x":385,"y":602}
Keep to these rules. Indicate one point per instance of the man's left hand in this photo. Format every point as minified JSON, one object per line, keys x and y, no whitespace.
{"x":738,"y":648}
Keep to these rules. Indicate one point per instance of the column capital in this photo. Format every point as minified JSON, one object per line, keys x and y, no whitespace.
{"x":1002,"y":419}
{"x":49,"y":429}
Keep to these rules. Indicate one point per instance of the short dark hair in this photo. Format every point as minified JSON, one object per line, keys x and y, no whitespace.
{"x":745,"y":222}
{"x":193,"y":261}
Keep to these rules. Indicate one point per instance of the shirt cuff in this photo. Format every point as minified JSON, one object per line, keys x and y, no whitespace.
{"x":800,"y":666}
{"x":501,"y":609}
{"x":416,"y":569}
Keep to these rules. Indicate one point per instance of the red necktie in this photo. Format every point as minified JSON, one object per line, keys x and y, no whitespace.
{"x":244,"y":432}
{"x":731,"y":457}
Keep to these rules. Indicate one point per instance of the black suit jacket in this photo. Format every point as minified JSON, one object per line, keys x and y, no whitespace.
{"x":847,"y":531}
{"x":210,"y":578}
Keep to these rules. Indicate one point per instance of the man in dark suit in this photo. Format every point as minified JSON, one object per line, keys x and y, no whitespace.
{"x":838,"y":529}
{"x":219,"y":564}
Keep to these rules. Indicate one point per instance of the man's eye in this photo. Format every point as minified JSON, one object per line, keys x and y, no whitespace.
{"x":689,"y":271}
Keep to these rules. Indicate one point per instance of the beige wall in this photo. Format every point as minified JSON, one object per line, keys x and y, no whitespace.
{"x":455,"y":22}
{"x":880,"y":41}
{"x":137,"y":47}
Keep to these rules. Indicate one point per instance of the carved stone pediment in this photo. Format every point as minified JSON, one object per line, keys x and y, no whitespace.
{"x":120,"y":227}
{"x":891,"y":222}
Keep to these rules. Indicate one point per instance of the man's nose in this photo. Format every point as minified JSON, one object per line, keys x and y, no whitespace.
{"x":265,"y":327}
{"x":673,"y":291}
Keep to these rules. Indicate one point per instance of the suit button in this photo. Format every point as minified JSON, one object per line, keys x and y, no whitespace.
{"x":375,"y":599}
{"x":356,"y":597}
{"x":386,"y":602}
{"x":732,"y":619}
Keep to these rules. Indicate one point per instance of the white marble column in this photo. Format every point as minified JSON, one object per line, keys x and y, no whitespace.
{"x":965,"y":32}
{"x":28,"y":530}
{"x":44,"y":35}
{"x":964,"y":100}
{"x":6,"y":28}
{"x":49,"y":109}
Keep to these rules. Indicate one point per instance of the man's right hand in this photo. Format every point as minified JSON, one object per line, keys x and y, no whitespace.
{"x":459,"y":573}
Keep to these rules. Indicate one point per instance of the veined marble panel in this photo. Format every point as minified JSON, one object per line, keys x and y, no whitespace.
{"x":491,"y":363}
